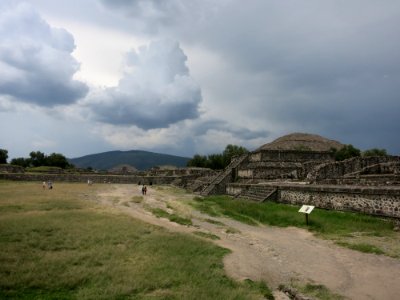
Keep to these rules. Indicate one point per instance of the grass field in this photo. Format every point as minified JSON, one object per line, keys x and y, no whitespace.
{"x":355,"y":231}
{"x":54,"y":244}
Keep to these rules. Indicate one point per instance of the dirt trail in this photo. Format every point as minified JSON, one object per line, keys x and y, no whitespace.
{"x":276,"y":255}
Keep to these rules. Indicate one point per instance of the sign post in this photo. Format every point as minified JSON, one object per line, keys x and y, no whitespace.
{"x":306,"y":209}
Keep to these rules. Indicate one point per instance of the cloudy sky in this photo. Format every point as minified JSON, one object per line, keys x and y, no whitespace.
{"x":190,"y":76}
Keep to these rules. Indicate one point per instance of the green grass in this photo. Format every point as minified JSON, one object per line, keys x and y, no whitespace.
{"x":215,"y":222}
{"x":160,"y":213}
{"x":56,"y":245}
{"x":362,"y":247}
{"x":321,"y":221}
{"x":43,"y":169}
{"x":297,"y":290}
{"x":262,"y":287}
{"x":328,"y":224}
{"x":207,"y":235}
{"x":319,"y":291}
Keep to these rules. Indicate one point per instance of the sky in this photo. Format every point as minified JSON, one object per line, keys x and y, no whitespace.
{"x":187,"y":77}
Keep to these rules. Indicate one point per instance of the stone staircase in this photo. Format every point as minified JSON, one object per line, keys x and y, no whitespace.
{"x":223,"y":178}
{"x":259,"y":193}
{"x":200,"y":183}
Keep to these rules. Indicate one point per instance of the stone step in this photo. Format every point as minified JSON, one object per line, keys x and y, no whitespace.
{"x":258,"y":193}
{"x":227,"y":172}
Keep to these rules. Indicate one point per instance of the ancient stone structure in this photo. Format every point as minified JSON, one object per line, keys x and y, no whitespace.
{"x":290,"y":157}
{"x":297,"y":169}
{"x":11,"y":169}
{"x":123,"y":169}
{"x":302,"y":142}
{"x":381,"y":201}
{"x":265,"y":164}
{"x":183,"y":177}
{"x":356,"y":168}
{"x":300,"y":169}
{"x":94,"y":178}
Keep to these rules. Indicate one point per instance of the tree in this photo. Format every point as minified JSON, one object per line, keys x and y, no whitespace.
{"x":198,"y":161}
{"x":37,"y":158}
{"x":375,"y":152}
{"x":57,"y":160}
{"x":231,"y":151}
{"x":22,"y":162}
{"x":3,"y":156}
{"x":348,"y":151}
{"x":215,"y":161}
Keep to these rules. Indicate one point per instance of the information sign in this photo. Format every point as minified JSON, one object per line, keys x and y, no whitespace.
{"x":306,"y":209}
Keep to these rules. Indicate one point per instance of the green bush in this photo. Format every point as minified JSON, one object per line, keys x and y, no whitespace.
{"x":348,"y":151}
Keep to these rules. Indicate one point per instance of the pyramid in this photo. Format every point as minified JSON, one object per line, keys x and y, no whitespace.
{"x":302,"y":141}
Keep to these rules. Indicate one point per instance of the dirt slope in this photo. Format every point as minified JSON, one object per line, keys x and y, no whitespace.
{"x":276,"y":255}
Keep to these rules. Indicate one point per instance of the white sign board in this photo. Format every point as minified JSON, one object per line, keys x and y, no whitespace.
{"x":306,"y":209}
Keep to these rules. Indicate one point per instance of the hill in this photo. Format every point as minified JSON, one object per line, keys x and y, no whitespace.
{"x":141,"y":160}
{"x":302,"y":141}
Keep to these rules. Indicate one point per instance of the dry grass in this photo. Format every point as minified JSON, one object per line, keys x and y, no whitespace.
{"x":56,"y":245}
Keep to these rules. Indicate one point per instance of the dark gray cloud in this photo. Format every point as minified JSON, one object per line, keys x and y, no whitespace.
{"x":36,"y":65}
{"x":329,"y":67}
{"x":265,"y":68}
{"x":237,"y":131}
{"x":155,"y":91}
{"x":153,"y":16}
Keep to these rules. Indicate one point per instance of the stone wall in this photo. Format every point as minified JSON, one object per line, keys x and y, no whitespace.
{"x":366,"y":180}
{"x":176,"y":176}
{"x":270,"y":173}
{"x":346,"y":167}
{"x":272,"y":164}
{"x":11,"y":169}
{"x":374,"y":201}
{"x":380,"y":201}
{"x":270,"y":170}
{"x":131,"y":179}
{"x":180,"y":172}
{"x":290,"y":155}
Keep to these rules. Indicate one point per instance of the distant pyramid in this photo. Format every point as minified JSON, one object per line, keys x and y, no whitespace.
{"x":123,"y":168}
{"x":302,"y":141}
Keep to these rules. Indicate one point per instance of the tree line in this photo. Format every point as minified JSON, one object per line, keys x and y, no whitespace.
{"x":37,"y":159}
{"x":349,"y":151}
{"x":217,"y":161}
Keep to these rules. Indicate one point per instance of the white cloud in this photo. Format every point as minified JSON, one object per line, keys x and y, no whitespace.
{"x":36,"y":65}
{"x":155,"y":91}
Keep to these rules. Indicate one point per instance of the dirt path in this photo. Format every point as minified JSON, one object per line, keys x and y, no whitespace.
{"x":276,"y":255}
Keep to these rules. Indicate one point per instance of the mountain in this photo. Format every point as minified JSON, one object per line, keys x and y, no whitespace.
{"x":141,"y":160}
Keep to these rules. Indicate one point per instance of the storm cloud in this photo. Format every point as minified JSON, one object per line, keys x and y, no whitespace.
{"x":211,"y":72}
{"x":155,"y":91}
{"x":36,"y":65}
{"x":318,"y":66}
